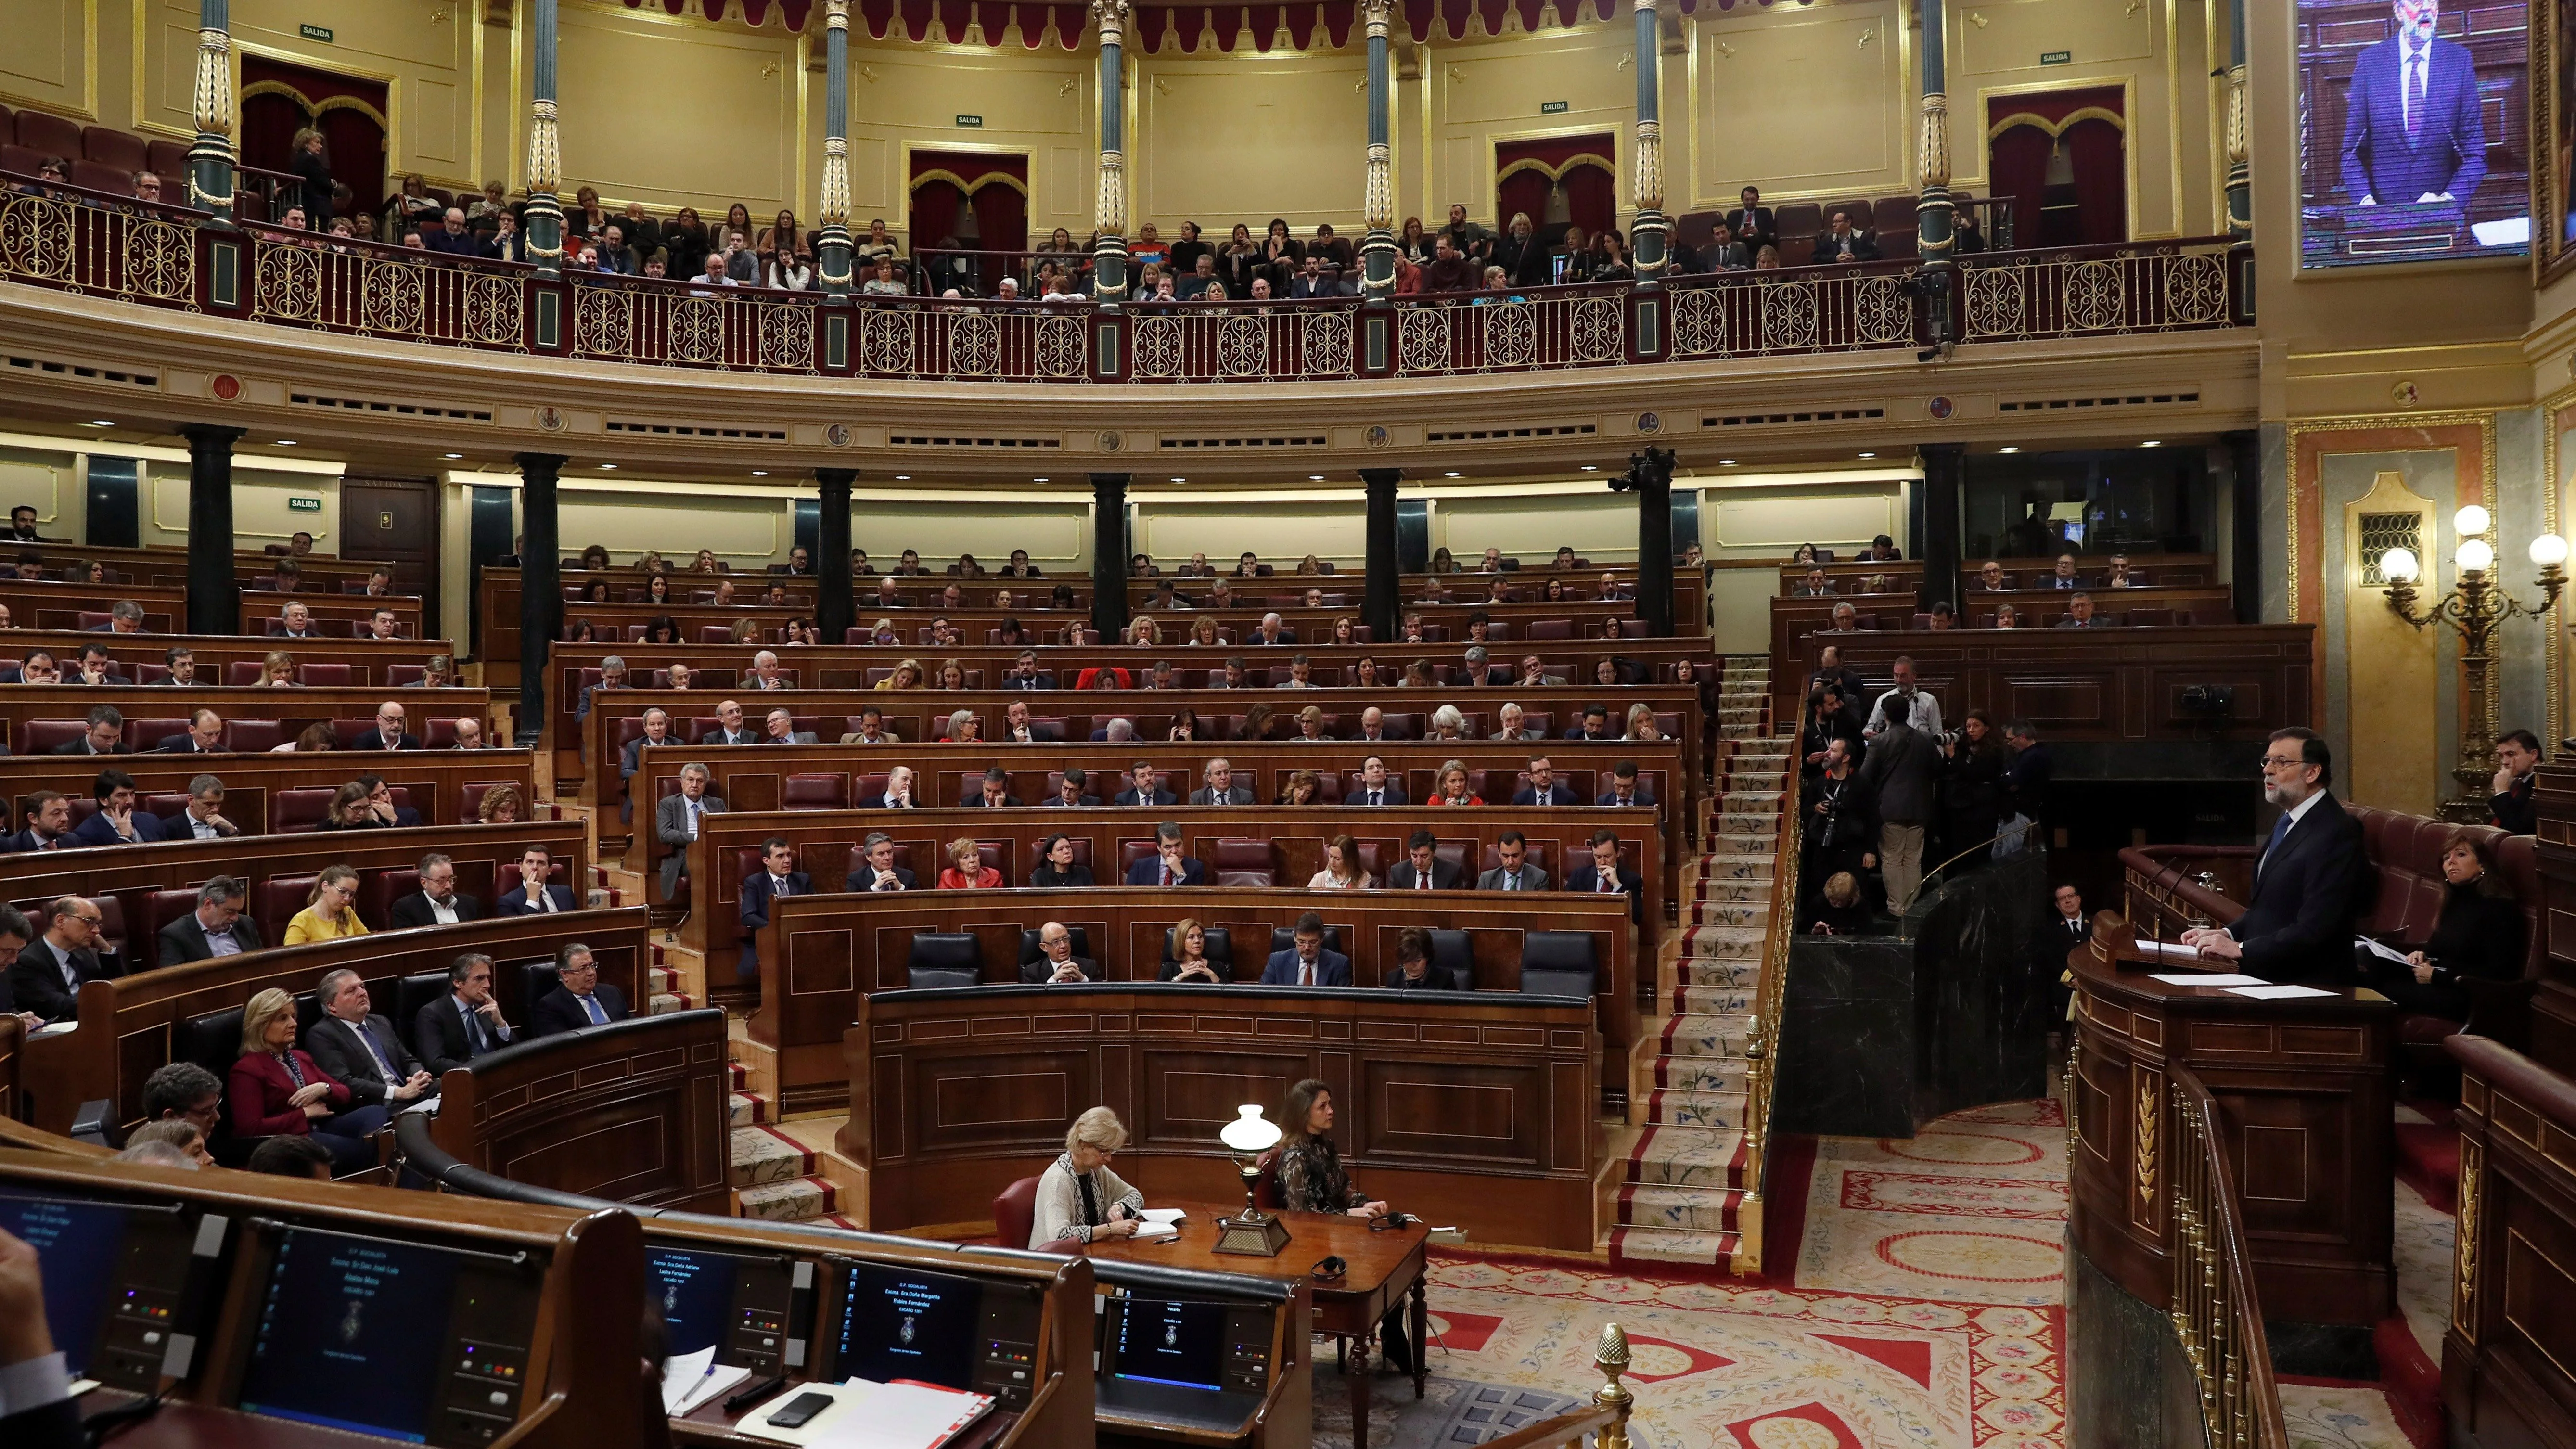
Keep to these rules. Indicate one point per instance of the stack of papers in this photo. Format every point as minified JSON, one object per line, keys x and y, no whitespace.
{"x":2168,"y":950}
{"x":693,"y":1378}
{"x":866,"y":1415}
{"x":2207,"y":978}
{"x":2276,"y":993}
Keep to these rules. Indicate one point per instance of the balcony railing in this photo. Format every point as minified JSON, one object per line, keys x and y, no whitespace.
{"x":93,"y":244}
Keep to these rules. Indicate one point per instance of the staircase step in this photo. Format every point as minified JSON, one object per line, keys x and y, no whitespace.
{"x":1735,"y":943}
{"x":1696,"y":1109}
{"x":747,"y":1109}
{"x":1703,"y":1036}
{"x":1733,"y":1001}
{"x":1688,"y":1157}
{"x":1742,"y":975}
{"x":763,"y":1155}
{"x":738,"y":1073}
{"x":790,"y":1200}
{"x":1700,"y":1074}
{"x":1667,"y":1245}
{"x":663,"y":1002}
{"x":1680,"y":1209}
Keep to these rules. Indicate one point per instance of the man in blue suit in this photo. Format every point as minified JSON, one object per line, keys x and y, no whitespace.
{"x":1602,"y":874}
{"x":1624,"y":789}
{"x":2412,"y":129}
{"x":2297,"y":925}
{"x":1168,"y":867}
{"x":777,"y":876}
{"x":1374,"y":787}
{"x":119,"y":820}
{"x":1145,"y":787}
{"x":1307,"y":963}
{"x":534,"y":897}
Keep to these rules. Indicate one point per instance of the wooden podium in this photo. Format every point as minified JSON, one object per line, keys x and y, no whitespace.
{"x":2303,"y":1093}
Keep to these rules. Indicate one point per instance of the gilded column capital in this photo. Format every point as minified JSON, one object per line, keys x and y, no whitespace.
{"x":1109,"y":17}
{"x":1377,"y":18}
{"x":836,"y":14}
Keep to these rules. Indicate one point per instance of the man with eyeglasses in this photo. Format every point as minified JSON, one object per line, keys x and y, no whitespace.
{"x":579,"y":999}
{"x":2297,"y":925}
{"x":47,"y":977}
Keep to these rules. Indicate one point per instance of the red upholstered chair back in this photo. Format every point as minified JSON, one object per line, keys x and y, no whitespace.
{"x":274,"y":902}
{"x":319,"y":675}
{"x":377,"y":892}
{"x":815,"y":792}
{"x":1015,"y":1216}
{"x":1550,"y":629}
{"x":242,"y":673}
{"x":439,"y":733}
{"x":2518,"y":860}
{"x":45,"y":131}
{"x":1265,"y":1188}
{"x":40,"y":736}
{"x":159,"y":909}
{"x":253,"y":734}
{"x":300,"y":809}
{"x":168,"y":806}
{"x":1132,"y":851}
{"x":89,"y":620}
{"x":120,"y":149}
{"x":345,"y":732}
{"x":405,"y":673}
{"x":1245,"y":863}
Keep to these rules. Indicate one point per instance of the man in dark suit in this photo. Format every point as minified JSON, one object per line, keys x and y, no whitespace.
{"x":118,"y":821}
{"x":2080,"y":614}
{"x":95,"y":667}
{"x":1169,"y":867}
{"x":534,"y":897}
{"x":1602,"y":874}
{"x":1517,"y":871}
{"x":205,"y":736}
{"x":465,"y":1023}
{"x":1056,"y":964}
{"x":1071,"y":790}
{"x":1839,"y":243}
{"x":1017,"y":730}
{"x":876,"y":870}
{"x":777,"y":877}
{"x":678,"y":819}
{"x":1543,"y":787}
{"x":1221,"y":788}
{"x":1595,"y":724}
{"x":1624,"y":789}
{"x":48,"y":975}
{"x":2511,"y":806}
{"x":215,"y":928}
{"x":1307,"y":963}
{"x":1024,"y":674}
{"x":1145,"y":787}
{"x":1374,"y":787}
{"x":1422,"y":869}
{"x":730,"y":729}
{"x":388,"y":733}
{"x":180,"y":665}
{"x":898,"y":793}
{"x":2297,"y":925}
{"x":993,"y":792}
{"x":579,"y":998}
{"x":2071,"y":927}
{"x":438,"y":902}
{"x":105,"y":735}
{"x":2412,"y":129}
{"x":1752,"y":222}
{"x":657,"y":731}
{"x":49,"y":825}
{"x":361,"y":1050}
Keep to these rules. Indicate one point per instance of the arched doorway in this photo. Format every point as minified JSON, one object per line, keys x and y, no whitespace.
{"x":972,"y":201}
{"x":2062,"y":156}
{"x":279,"y":100}
{"x":1558,"y":181}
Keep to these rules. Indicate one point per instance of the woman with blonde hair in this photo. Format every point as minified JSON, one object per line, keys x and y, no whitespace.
{"x":276,"y":1090}
{"x":1641,"y":722}
{"x":331,"y":912}
{"x":1144,"y":632}
{"x":1303,"y":787}
{"x":1079,"y":1199}
{"x":1453,"y":786}
{"x":277,"y":670}
{"x":966,"y":870}
{"x":907,"y":675}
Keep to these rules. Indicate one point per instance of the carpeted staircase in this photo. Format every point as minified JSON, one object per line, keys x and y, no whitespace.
{"x":1686,"y":1176}
{"x":773,"y":1175}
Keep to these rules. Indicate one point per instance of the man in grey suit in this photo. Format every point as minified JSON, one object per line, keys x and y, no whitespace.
{"x":1511,"y":718}
{"x":1515,"y":873}
{"x":779,"y":728}
{"x":361,"y":1049}
{"x":676,"y":821}
{"x":214,"y":928}
{"x":1220,"y":788}
{"x":1901,"y":769}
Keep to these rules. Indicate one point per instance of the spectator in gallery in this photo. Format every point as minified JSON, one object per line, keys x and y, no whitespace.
{"x":1838,"y":242}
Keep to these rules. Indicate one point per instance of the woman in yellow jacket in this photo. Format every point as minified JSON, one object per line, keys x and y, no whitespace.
{"x":332,"y":912}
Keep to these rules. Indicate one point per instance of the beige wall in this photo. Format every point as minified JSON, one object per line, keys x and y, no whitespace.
{"x":262,"y":514}
{"x":1249,"y":137}
{"x":50,"y":483}
{"x":51,"y":58}
{"x":1480,"y":92}
{"x":1040,"y":104}
{"x":674,"y":112}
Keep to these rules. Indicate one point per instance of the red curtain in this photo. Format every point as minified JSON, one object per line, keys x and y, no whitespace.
{"x":2100,"y":153}
{"x":1592,"y":198}
{"x":1002,"y":216}
{"x":935,"y":206}
{"x":2097,"y":148}
{"x":348,"y":109}
{"x":2017,"y":167}
{"x":1001,"y":207}
{"x":1591,"y":190}
{"x":1523,"y":193}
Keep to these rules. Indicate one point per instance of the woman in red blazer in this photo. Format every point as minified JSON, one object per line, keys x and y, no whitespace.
{"x":967,"y":871}
{"x":276,"y":1090}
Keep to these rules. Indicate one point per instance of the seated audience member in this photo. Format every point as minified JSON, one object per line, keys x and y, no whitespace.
{"x":1593,"y":725}
{"x":215,"y":928}
{"x":1624,"y":789}
{"x":2511,"y":807}
{"x":1943,"y":616}
{"x":204,"y":736}
{"x":438,"y":902}
{"x":382,"y":625}
{"x":730,"y":727}
{"x":1990,"y":578}
{"x":993,"y":792}
{"x":277,"y":671}
{"x":612,"y":675}
{"x":1069,"y":791}
{"x":38,"y":667}
{"x":1017,"y":729}
{"x":288,"y":1155}
{"x":1145,"y":787}
{"x":657,"y":731}
{"x":677,"y":820}
{"x":1308,"y":1168}
{"x":964,"y":726}
{"x":876,"y":870}
{"x":1517,"y":872}
{"x":1641,"y":723}
{"x":1169,"y":867}
{"x":1079,"y":1200}
{"x":1221,"y":787}
{"x":1056,"y":964}
{"x":2080,"y":615}
{"x":95,"y":667}
{"x":1601,"y":874}
{"x":105,"y":735}
{"x":1375,"y":787}
{"x":1446,"y":722}
{"x":898,"y":793}
{"x":1514,"y":728}
{"x":469,"y":734}
{"x":2477,"y":937}
{"x":2063,"y":577}
{"x":1816,"y":586}
{"x":1422,"y":869}
{"x":361,"y":1050}
{"x":579,"y":999}
{"x":1303,"y":787}
{"x":465,"y":1023}
{"x":1342,"y":870}
{"x":440,"y":672}
{"x":1306,"y":962}
{"x":298,"y":622}
{"x":1056,"y":866}
{"x":1839,"y":243}
{"x":51,"y":969}
{"x":778,"y":727}
{"x":1186,"y":958}
{"x":278,"y":1090}
{"x":179,"y":662}
{"x":966,"y":870}
{"x":535,"y":897}
{"x":2007,"y":617}
{"x":1543,"y":787}
{"x":184,"y":1144}
{"x":49,"y":825}
{"x":871,"y":730}
{"x":352,"y":808}
{"x":331,"y":911}
{"x":501,"y":805}
{"x":777,"y":878}
{"x":1839,"y":910}
{"x":1414,"y":970}
{"x":2118,"y":575}
{"x":1453,"y":786}
{"x":118,"y":821}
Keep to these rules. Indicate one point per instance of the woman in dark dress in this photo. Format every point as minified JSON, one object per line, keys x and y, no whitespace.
{"x":2478,"y":936}
{"x":1312,"y":1180}
{"x":1973,"y":777}
{"x":312,"y":165}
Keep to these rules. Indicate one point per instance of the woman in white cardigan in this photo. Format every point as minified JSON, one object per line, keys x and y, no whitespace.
{"x":1079,"y":1198}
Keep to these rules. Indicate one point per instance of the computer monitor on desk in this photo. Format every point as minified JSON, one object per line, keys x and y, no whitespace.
{"x":751,"y":1309}
{"x":892,"y":1321}
{"x":114,"y":1278}
{"x":1201,"y":1364}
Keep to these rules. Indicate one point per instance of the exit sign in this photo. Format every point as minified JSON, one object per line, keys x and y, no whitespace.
{"x":315,"y":32}
{"x":1551,"y":108}
{"x":2057,"y":57}
{"x":303,"y":505}
{"x":972,"y":123}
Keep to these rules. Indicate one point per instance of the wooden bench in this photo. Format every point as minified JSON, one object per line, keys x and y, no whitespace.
{"x":165,"y":610}
{"x":2038,"y":608}
{"x":282,"y":794}
{"x":366,"y":663}
{"x":35,"y":718}
{"x":168,"y":567}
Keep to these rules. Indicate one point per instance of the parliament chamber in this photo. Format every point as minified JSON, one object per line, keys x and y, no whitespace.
{"x":750,"y":722}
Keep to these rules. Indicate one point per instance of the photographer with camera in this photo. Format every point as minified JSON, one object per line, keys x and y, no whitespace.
{"x":1972,"y":783}
{"x":1830,"y":717}
{"x":1841,"y":825}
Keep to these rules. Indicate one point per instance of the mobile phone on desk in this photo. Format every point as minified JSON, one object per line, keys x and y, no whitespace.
{"x":799,"y":1411}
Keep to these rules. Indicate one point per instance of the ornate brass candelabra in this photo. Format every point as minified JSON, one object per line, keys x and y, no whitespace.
{"x":2477,"y":608}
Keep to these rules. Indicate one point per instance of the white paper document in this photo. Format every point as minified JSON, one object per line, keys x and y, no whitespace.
{"x":2385,"y":953}
{"x":2206,"y":978}
{"x":1165,"y":1216}
{"x":866,"y":1415}
{"x":2169,"y":950}
{"x":693,"y":1378}
{"x":2277,"y":993}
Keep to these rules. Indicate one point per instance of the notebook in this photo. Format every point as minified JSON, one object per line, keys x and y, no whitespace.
{"x":868,"y":1415}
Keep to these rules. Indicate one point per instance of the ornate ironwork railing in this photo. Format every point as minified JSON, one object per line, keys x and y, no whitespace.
{"x":2214,"y":1308}
{"x":93,"y":244}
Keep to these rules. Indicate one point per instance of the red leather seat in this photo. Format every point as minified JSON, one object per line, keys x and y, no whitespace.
{"x":325,"y":675}
{"x":1246,"y":863}
{"x":49,"y":133}
{"x":815,"y":792}
{"x":298,"y":810}
{"x":120,"y":149}
{"x":91,"y":620}
{"x":167,"y":159}
{"x":400,"y":674}
{"x":40,"y":736}
{"x":143,"y":734}
{"x":1015,"y":1217}
{"x":274,"y":902}
{"x":159,"y":909}
{"x":247,"y":735}
{"x":242,"y":673}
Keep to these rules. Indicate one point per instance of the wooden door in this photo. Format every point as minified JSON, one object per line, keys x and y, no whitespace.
{"x":395,"y":520}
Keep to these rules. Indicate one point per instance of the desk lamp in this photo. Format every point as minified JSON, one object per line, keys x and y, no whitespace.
{"x":1255,"y":1234}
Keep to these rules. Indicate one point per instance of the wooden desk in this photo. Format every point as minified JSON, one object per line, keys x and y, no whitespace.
{"x":2082,"y":685}
{"x":165,"y":609}
{"x":168,"y":567}
{"x":370,"y":660}
{"x":2159,"y":568}
{"x":292,"y":707}
{"x":1387,"y":1269}
{"x":1794,"y":616}
{"x":2507,"y":1373}
{"x":1473,"y":1109}
{"x":435,"y":780}
{"x":2302,"y":1088}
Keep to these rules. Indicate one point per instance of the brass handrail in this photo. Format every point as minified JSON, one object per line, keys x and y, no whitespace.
{"x":1763,"y":1028}
{"x":1607,"y":1417}
{"x":2215,"y":1311}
